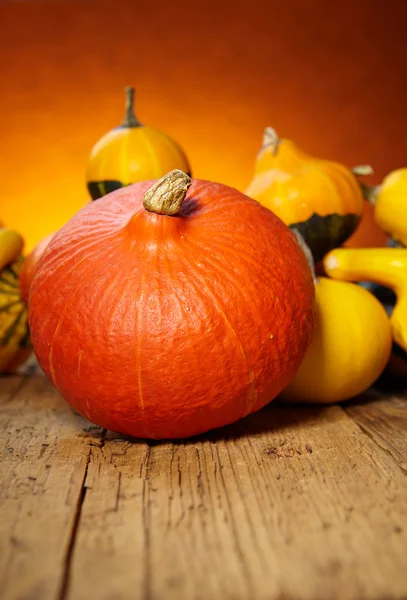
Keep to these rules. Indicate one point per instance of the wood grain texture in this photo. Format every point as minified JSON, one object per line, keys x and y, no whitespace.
{"x":292,"y":502}
{"x":42,"y":468}
{"x":385,"y":421}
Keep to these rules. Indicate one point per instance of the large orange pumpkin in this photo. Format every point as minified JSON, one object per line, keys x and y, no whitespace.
{"x":162,"y":326}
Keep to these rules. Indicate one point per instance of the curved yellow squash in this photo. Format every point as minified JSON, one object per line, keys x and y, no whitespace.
{"x":385,"y":266}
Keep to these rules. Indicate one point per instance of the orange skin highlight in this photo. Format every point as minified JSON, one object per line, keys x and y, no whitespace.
{"x":162,"y":326}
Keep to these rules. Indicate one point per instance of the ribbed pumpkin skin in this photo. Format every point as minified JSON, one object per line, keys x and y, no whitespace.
{"x":166,"y":327}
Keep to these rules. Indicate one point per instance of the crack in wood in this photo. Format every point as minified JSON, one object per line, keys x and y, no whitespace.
{"x":66,"y":575}
{"x":146,"y":510}
{"x":74,"y":531}
{"x":171,"y":489}
{"x":180,"y":488}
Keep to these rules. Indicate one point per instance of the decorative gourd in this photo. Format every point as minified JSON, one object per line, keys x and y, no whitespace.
{"x":385,"y":266}
{"x":166,"y":309}
{"x":390,"y":202}
{"x":321,"y":199}
{"x":130,"y":153}
{"x":11,"y":246}
{"x":30,"y":264}
{"x":14,"y":337}
{"x":15,"y":346}
{"x":350,"y":349}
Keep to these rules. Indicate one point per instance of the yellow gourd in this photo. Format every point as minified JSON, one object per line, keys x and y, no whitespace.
{"x":11,"y":246}
{"x":350,"y":349}
{"x":385,"y":266}
{"x":321,"y":199}
{"x":131,"y":152}
{"x":390,"y":201}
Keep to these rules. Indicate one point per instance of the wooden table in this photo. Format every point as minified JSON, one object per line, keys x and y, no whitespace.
{"x":290,"y":503}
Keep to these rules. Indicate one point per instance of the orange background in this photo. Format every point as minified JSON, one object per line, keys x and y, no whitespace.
{"x":331,"y":75}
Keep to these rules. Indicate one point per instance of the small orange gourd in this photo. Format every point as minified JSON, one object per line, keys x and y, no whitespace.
{"x":321,"y":199}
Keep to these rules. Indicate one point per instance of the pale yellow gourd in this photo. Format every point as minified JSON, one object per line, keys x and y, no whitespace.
{"x":350,"y":349}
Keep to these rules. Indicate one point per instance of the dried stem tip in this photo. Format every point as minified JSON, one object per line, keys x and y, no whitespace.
{"x":362,"y":170}
{"x":167,"y":195}
{"x":271,"y":139}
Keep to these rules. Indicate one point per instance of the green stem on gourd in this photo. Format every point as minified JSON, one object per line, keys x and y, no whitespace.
{"x":130,"y":119}
{"x":271,"y":139}
{"x":370,"y":192}
{"x":167,"y":195}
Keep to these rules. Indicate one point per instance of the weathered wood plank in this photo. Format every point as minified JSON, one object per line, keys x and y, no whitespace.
{"x":290,"y":503}
{"x":113,"y":524}
{"x":385,"y":421}
{"x":43,"y":460}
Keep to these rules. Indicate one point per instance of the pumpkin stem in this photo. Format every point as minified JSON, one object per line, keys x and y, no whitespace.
{"x":370,"y":192}
{"x":130,"y":119}
{"x":270,"y":138}
{"x":362,"y":170}
{"x":308,"y":254}
{"x":167,"y":195}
